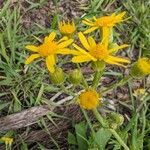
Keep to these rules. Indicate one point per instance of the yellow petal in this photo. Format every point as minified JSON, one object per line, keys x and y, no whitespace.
{"x":88,"y":20}
{"x":63,"y":39}
{"x":83,"y":51}
{"x":115,"y":49}
{"x":114,"y":63}
{"x":118,"y":59}
{"x":79,"y":48}
{"x":105,"y":35}
{"x":50,"y":62}
{"x":32,"y":48}
{"x":90,"y":30}
{"x":120,"y":16}
{"x":51,"y":36}
{"x":94,"y":18}
{"x":87,"y":23}
{"x":81,"y":58}
{"x":68,"y":51}
{"x":83,"y":40}
{"x":31,"y":58}
{"x":65,"y":43}
{"x":91,"y":42}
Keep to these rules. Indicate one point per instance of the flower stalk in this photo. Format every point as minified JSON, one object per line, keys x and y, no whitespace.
{"x":99,"y":118}
{"x":105,"y":125}
{"x":121,"y":142}
{"x":96,"y":79}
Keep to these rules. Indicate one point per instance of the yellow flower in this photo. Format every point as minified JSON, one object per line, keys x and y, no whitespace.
{"x":48,"y":50}
{"x":141,"y":67}
{"x":88,"y":99}
{"x":144,"y":65}
{"x":139,"y":92}
{"x":67,"y":28}
{"x":96,"y":52}
{"x":7,"y":140}
{"x":105,"y":21}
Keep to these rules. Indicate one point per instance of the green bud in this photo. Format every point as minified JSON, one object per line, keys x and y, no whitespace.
{"x":141,"y":68}
{"x":58,"y":76}
{"x":115,"y":120}
{"x":136,"y":72}
{"x":118,"y":118}
{"x":75,"y":76}
{"x":98,"y":65}
{"x":113,"y":125}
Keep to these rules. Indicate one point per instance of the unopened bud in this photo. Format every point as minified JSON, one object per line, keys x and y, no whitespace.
{"x":115,"y":120}
{"x":113,"y":125}
{"x":118,"y":118}
{"x":75,"y":76}
{"x":58,"y":76}
{"x":98,"y":65}
{"x":141,"y":68}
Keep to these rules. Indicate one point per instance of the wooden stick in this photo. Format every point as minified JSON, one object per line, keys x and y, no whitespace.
{"x":23,"y":118}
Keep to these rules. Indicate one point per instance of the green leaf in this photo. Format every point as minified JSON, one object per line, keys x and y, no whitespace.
{"x":38,"y":99}
{"x":3,"y":105}
{"x":54,"y":21}
{"x":81,"y":136}
{"x":102,"y":137}
{"x":71,"y":139}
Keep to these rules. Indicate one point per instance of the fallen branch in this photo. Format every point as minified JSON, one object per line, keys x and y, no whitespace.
{"x":23,"y":118}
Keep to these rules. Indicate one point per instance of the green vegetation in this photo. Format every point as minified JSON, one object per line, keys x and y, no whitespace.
{"x":23,"y":87}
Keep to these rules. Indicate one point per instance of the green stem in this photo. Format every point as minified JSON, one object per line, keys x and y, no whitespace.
{"x":84,"y":82}
{"x":88,"y":121}
{"x":115,"y":134}
{"x":65,"y":90}
{"x":120,"y":83}
{"x":96,"y":79}
{"x":99,"y":118}
{"x":131,"y":94}
{"x":105,"y":125}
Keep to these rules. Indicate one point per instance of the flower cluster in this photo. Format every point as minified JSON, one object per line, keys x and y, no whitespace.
{"x":98,"y":52}
{"x":91,"y":50}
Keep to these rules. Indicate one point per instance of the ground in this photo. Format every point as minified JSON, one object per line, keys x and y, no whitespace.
{"x":23,"y":88}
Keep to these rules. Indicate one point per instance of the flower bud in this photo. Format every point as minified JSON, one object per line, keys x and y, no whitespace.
{"x":98,"y":65}
{"x":89,"y":99}
{"x":75,"y":76}
{"x":115,"y":120}
{"x":58,"y":76}
{"x":141,"y":68}
{"x":113,"y":125}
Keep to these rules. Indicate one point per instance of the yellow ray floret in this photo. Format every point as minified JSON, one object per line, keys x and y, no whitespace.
{"x":7,"y":140}
{"x":105,"y":21}
{"x":95,"y":52}
{"x":141,"y":68}
{"x":89,"y":99}
{"x":144,"y":65}
{"x":67,"y":28}
{"x":48,"y":50}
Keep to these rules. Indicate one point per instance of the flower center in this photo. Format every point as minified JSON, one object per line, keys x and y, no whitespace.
{"x":144,"y":65}
{"x":89,"y":99}
{"x":99,"y":52}
{"x":67,"y":29}
{"x":48,"y":48}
